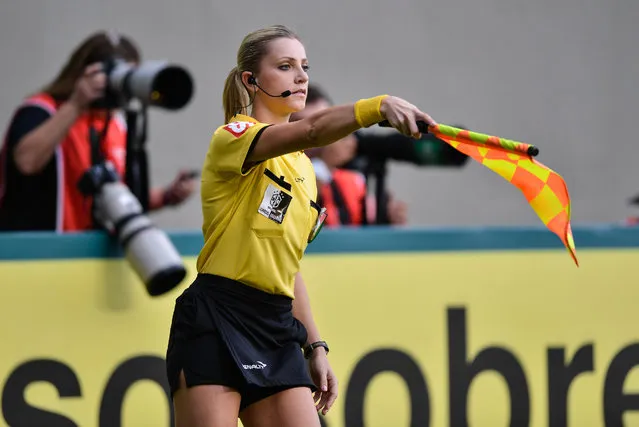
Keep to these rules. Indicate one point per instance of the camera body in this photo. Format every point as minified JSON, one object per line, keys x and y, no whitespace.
{"x":154,"y":83}
{"x":147,"y":248}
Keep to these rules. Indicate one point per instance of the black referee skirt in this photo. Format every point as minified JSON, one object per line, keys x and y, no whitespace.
{"x":226,"y":333}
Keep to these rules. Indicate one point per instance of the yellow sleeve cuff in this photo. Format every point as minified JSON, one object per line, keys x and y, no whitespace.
{"x":367,"y":111}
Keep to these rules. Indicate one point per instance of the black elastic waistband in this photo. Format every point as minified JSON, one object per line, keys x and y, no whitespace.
{"x":242,"y":292}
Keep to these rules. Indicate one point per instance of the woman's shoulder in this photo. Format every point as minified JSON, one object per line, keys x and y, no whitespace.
{"x":41,"y":100}
{"x":237,"y":127}
{"x":39,"y":106}
{"x":231,"y":144}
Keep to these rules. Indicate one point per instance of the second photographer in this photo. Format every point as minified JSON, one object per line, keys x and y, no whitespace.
{"x":58,"y":133}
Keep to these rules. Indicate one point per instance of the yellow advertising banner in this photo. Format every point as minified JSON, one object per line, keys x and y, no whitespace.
{"x":468,"y":338}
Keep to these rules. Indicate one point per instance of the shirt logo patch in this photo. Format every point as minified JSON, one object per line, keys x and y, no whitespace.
{"x":238,"y":128}
{"x":274,"y":204}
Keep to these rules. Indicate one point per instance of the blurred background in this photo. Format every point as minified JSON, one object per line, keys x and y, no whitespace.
{"x":557,"y":74}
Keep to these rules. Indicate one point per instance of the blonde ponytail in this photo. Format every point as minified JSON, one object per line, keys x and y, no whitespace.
{"x":235,"y":98}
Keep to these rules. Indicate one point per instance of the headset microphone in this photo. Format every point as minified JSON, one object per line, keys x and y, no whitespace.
{"x":284,"y":94}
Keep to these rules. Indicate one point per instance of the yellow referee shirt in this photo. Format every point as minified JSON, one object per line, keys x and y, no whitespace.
{"x":256,"y":223}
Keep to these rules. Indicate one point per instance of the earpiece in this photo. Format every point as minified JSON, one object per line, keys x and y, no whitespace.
{"x":251,"y":80}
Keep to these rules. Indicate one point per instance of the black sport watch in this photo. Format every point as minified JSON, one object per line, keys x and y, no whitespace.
{"x":308,"y":350}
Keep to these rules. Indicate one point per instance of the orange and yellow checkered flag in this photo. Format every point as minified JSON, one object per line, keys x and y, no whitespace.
{"x":544,"y":188}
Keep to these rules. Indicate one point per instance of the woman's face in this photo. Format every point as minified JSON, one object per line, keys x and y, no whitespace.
{"x":284,"y":67}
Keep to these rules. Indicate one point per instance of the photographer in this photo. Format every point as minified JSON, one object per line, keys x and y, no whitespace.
{"x":59,"y":133}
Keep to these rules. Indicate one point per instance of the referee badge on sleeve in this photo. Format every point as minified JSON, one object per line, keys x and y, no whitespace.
{"x":274,"y":204}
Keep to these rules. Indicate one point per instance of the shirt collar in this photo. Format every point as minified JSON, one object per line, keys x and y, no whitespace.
{"x":243,"y":118}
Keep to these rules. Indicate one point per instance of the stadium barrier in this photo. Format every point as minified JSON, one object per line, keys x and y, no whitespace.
{"x":427,"y":327}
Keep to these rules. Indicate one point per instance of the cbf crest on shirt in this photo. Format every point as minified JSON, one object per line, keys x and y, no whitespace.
{"x":256,"y":221}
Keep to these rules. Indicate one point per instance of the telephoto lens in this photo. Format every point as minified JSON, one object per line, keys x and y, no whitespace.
{"x":147,"y":248}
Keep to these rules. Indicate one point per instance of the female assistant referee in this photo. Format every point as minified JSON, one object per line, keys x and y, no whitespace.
{"x":241,"y":330}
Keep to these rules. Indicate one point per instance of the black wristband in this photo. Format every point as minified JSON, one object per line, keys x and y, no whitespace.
{"x":308,"y":350}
